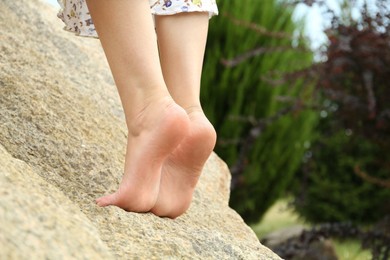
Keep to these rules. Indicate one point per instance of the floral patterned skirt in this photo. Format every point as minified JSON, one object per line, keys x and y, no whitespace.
{"x":75,"y":13}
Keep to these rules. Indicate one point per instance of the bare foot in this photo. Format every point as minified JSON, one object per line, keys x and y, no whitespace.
{"x":182,"y":169}
{"x":153,"y":135}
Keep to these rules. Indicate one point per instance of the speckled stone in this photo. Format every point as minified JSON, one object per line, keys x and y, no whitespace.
{"x":39,"y":221}
{"x":62,"y":141}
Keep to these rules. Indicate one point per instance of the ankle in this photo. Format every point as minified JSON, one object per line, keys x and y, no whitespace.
{"x":137,"y":100}
{"x":201,"y":126}
{"x":193,"y":109}
{"x":155,"y":110}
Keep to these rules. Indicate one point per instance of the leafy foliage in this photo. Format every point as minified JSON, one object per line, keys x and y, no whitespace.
{"x":345,"y":176}
{"x":247,"y":42}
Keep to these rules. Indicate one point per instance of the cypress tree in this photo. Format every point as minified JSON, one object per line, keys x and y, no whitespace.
{"x":232,"y":95}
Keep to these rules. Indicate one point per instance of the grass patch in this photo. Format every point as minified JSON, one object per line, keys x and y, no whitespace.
{"x":351,"y":250}
{"x":280,"y":215}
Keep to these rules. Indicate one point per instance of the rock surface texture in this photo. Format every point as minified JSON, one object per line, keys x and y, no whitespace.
{"x":62,"y":141}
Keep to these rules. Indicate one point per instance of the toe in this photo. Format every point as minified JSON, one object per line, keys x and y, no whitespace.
{"x":106,"y":200}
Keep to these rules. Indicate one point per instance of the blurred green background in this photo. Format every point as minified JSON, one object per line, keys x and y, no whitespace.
{"x":302,"y":127}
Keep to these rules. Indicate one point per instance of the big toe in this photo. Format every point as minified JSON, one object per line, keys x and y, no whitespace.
{"x":106,"y":200}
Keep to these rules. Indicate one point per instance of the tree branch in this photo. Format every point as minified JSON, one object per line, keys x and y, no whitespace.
{"x":256,"y":52}
{"x":238,"y":168}
{"x":371,"y":179}
{"x":260,"y":30}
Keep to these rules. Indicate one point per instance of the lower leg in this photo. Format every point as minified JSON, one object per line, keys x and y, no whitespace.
{"x":156,"y":124}
{"x":182,"y":40}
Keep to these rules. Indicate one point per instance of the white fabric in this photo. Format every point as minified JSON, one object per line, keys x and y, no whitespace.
{"x":75,"y":13}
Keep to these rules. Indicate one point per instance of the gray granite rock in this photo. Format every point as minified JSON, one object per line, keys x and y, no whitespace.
{"x":62,"y":141}
{"x":38,"y":221}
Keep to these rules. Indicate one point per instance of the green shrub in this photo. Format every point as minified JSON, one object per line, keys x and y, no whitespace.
{"x":331,"y":191}
{"x":347,"y":176}
{"x":231,"y":95}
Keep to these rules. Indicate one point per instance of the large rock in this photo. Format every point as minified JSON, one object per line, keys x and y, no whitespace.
{"x":62,"y":141}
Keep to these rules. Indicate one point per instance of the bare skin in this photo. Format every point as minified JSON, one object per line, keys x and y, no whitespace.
{"x":169,"y":137}
{"x":162,"y":127}
{"x":182,"y":40}
{"x":182,"y":169}
{"x":156,"y":124}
